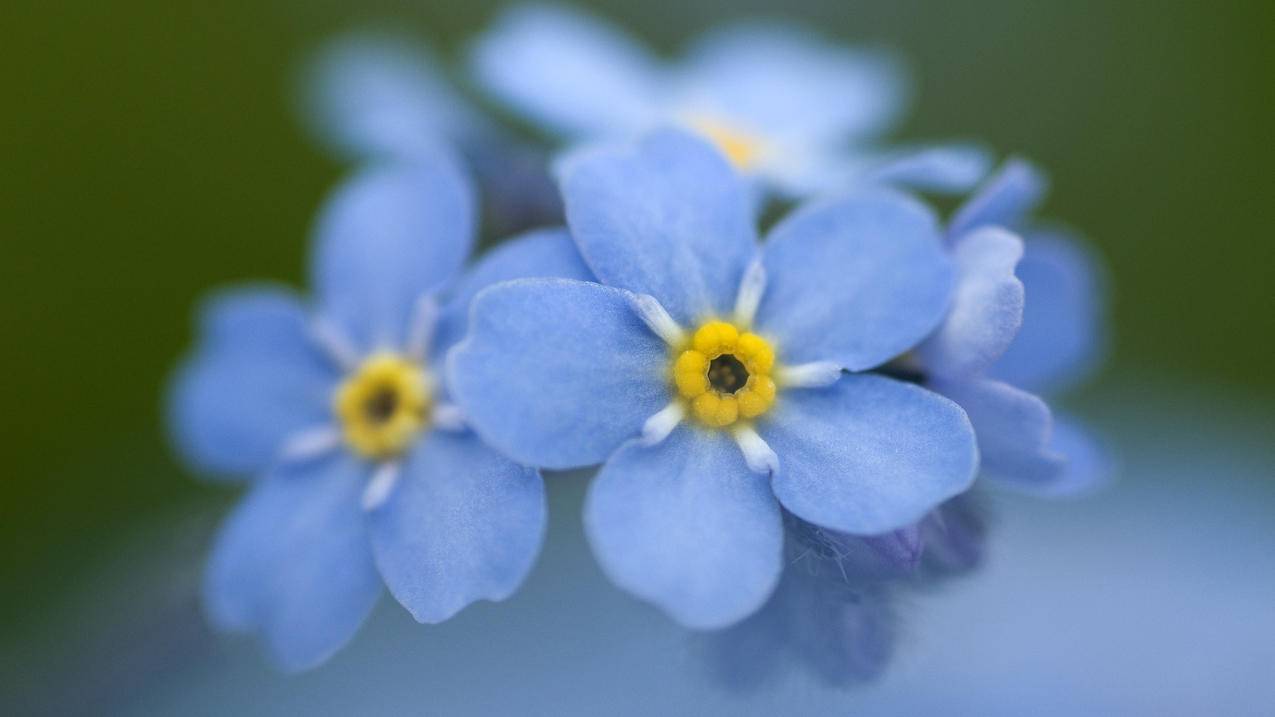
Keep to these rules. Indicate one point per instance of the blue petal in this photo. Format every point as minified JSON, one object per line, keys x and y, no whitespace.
{"x":939,"y":168}
{"x":1005,"y":199}
{"x":254,"y":380}
{"x":667,"y":217}
{"x":1061,"y":340}
{"x":844,"y":633}
{"x":686,"y":525}
{"x":1013,"y":429}
{"x":955,"y":536}
{"x":386,"y":237}
{"x":547,"y":253}
{"x":567,"y":71}
{"x":987,"y":306}
{"x":857,"y":281}
{"x":868,"y":454}
{"x":294,"y":562}
{"x":557,"y":373}
{"x":1089,"y":466}
{"x":792,"y":85}
{"x":463,"y":524}
{"x":369,"y":95}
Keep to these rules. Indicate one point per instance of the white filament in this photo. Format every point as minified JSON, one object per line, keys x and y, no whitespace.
{"x":659,"y":321}
{"x":310,"y":443}
{"x":335,"y":343}
{"x":448,"y":417}
{"x":381,"y":485}
{"x":658,"y":427}
{"x":809,"y":375}
{"x":421,"y":333}
{"x":751,"y":288}
{"x":757,"y":453}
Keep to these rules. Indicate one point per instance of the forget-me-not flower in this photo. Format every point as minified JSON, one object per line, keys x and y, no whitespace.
{"x":788,"y":108}
{"x":364,"y":473}
{"x":372,"y":96}
{"x":706,"y":372}
{"x":982,"y":359}
{"x":834,"y":611}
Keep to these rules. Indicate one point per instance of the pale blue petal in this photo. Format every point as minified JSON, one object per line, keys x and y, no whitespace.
{"x":386,"y":237}
{"x":294,"y":563}
{"x":547,"y":253}
{"x":666,"y":217}
{"x":567,"y":71}
{"x":825,"y":171}
{"x":686,"y":525}
{"x":857,"y":281}
{"x":789,"y":83}
{"x":1062,"y":338}
{"x":462,"y":524}
{"x":557,"y":373}
{"x":1013,"y":429}
{"x":987,"y":306}
{"x":1005,"y":199}
{"x":1089,"y":465}
{"x":254,"y":379}
{"x":369,"y":95}
{"x":938,"y":168}
{"x":868,"y":454}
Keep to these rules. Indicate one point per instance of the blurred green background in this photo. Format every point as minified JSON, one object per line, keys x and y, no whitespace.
{"x":151,"y":152}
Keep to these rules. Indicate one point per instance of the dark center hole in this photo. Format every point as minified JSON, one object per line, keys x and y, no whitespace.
{"x":727,"y":374}
{"x":381,"y":405}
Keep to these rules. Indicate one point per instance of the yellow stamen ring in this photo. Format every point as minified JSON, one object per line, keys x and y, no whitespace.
{"x":725,"y":374}
{"x":383,"y":405}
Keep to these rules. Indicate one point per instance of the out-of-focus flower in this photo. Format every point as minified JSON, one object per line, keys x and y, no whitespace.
{"x":372,"y":96}
{"x":953,"y":537}
{"x":834,"y":611}
{"x":980,"y":357}
{"x":797,"y":113}
{"x":707,"y":372}
{"x":365,"y":473}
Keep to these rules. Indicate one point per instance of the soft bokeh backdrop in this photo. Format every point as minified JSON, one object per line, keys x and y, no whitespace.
{"x":151,"y":151}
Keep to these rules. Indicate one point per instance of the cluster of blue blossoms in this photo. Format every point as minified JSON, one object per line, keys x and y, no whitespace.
{"x":788,"y":426}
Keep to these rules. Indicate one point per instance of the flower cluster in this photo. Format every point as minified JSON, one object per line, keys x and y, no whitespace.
{"x":788,"y":418}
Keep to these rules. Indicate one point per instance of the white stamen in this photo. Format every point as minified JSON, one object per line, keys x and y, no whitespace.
{"x":310,"y":443}
{"x":654,"y":315}
{"x":448,"y":417}
{"x":751,"y":288}
{"x":757,"y":453}
{"x":808,"y":375}
{"x":380,"y":486}
{"x":337,"y":345}
{"x":658,"y":427}
{"x":421,"y":333}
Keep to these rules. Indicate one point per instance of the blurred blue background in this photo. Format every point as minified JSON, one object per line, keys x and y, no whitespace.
{"x":152,"y":151}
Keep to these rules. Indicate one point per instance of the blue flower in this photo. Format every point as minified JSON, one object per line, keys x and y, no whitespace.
{"x":790,"y":109}
{"x":370,"y":95}
{"x":706,"y":371}
{"x":1025,"y":318}
{"x":826,"y":616}
{"x":364,"y":471}
{"x":378,"y":96}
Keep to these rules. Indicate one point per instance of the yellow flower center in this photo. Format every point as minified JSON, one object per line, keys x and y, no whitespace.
{"x":725,"y":374}
{"x":383,"y":405}
{"x":743,"y":149}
